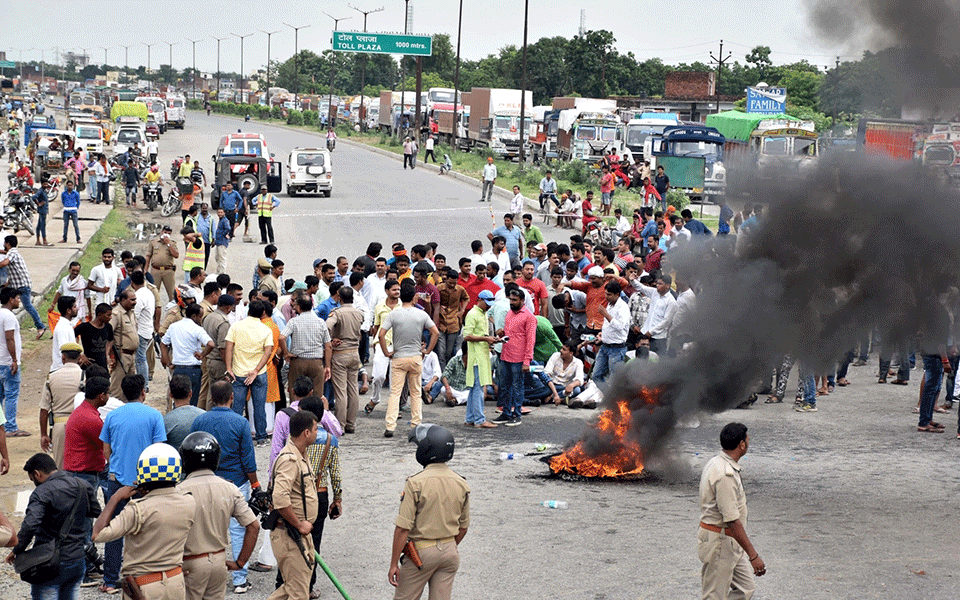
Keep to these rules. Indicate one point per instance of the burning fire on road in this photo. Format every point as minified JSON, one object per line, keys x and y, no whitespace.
{"x":612,"y":450}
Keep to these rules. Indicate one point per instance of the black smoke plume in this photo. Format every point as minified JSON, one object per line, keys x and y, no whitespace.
{"x":855,"y":245}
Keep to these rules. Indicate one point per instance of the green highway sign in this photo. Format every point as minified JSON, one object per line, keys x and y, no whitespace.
{"x":382,"y":43}
{"x":6,"y":64}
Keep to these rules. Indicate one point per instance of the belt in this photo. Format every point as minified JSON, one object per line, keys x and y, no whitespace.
{"x":125,"y":351}
{"x":204,"y":555}
{"x":164,"y":268}
{"x":418,"y":544}
{"x":620,"y":345}
{"x":60,"y":420}
{"x":186,"y":366}
{"x":322,"y":490}
{"x":714,"y":528}
{"x":308,"y":358}
{"x":155,"y":577}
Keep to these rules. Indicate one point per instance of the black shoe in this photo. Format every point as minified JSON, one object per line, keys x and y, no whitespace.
{"x":387,"y":434}
{"x":534,"y":402}
{"x":513,"y":422}
{"x":503,"y":418}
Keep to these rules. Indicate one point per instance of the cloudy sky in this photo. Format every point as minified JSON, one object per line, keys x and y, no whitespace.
{"x":688,"y":31}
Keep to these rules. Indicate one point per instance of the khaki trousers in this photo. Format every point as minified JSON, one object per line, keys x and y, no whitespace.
{"x":151,"y":359}
{"x":292,"y":565}
{"x":121,"y":368}
{"x":220,"y":254}
{"x":206,"y":578}
{"x":57,"y":437}
{"x":405,"y":370}
{"x":344,"y":368}
{"x":726,"y":572}
{"x":165,"y":277}
{"x":204,"y":396}
{"x":312,"y":368}
{"x":166,"y":589}
{"x":440,"y":564}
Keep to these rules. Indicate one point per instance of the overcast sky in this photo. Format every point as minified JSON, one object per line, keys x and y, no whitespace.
{"x":688,"y":31}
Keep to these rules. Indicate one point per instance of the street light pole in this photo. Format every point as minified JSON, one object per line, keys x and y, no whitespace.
{"x":403,"y":71}
{"x":523,"y":83}
{"x":336,"y":22}
{"x":171,"y":45}
{"x":194,"y":67}
{"x":361,"y":117}
{"x":296,"y":60}
{"x":241,"y":62}
{"x":126,"y":63}
{"x":456,"y":80}
{"x":269,"y":33}
{"x":104,"y":57}
{"x":149,"y":46}
{"x":218,"y":65}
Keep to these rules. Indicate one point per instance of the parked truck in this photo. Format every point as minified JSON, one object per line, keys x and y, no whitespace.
{"x":495,"y":119}
{"x":543,"y":134}
{"x":772,"y":146}
{"x":587,"y":128}
{"x":686,"y":151}
{"x":389,"y":113}
{"x":176,"y":111}
{"x":640,"y":127}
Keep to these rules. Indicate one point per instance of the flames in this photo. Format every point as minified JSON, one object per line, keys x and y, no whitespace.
{"x":621,"y":455}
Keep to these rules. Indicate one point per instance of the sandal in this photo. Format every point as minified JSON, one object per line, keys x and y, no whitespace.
{"x":18,"y":433}
{"x":773,"y":400}
{"x":935,"y":424}
{"x":899,"y":382}
{"x":882,"y":380}
{"x":830,"y":389}
{"x":929,"y":429}
{"x":916,"y":410}
{"x":369,"y":408}
{"x":939,"y":409}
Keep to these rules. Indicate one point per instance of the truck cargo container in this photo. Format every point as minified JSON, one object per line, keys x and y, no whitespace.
{"x":494,"y":120}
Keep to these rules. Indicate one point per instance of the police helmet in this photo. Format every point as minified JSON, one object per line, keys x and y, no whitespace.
{"x":158,"y":463}
{"x":199,"y":450}
{"x":434,"y":443}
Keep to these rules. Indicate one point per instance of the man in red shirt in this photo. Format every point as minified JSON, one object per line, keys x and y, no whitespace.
{"x":23,"y":171}
{"x":82,"y":448}
{"x":465,"y":277}
{"x":596,"y":296}
{"x":479,"y":283}
{"x":427,"y":295}
{"x":537,"y":289}
{"x":521,"y":328}
{"x":654,"y":255}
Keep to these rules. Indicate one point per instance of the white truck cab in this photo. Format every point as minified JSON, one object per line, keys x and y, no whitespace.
{"x":309,"y":170}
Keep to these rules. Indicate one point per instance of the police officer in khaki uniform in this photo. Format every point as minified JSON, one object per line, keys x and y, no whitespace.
{"x":125,"y":341}
{"x":217,"y":324}
{"x":211,"y":293}
{"x":729,"y":559}
{"x":205,"y":564}
{"x":161,"y":258}
{"x":154,"y":526}
{"x":434,"y":515}
{"x":56,"y":401}
{"x":295,"y":498}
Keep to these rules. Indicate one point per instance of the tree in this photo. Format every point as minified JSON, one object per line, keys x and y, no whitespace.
{"x":802,"y":87}
{"x":759,"y":59}
{"x":443,"y":61}
{"x":427,"y":81}
{"x":588,"y":56}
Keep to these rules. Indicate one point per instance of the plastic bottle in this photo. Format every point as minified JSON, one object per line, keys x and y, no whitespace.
{"x":554,"y":504}
{"x":507,"y":456}
{"x":541,"y":447}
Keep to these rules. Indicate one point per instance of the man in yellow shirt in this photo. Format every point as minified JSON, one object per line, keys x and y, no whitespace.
{"x":249,"y":345}
{"x":186,"y":167}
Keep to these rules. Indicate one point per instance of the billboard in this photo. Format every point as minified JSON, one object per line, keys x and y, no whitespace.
{"x":766,"y":100}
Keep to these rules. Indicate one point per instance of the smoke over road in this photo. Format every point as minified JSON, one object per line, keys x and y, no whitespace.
{"x":856,"y":245}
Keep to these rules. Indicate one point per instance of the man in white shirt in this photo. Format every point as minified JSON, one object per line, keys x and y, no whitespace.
{"x":660,"y":315}
{"x":75,"y":286}
{"x":489,"y":179}
{"x":143,"y":313}
{"x":497,"y":254}
{"x":516,"y":205}
{"x":184,"y":346}
{"x":153,"y":148}
{"x":63,"y":332}
{"x":10,"y":354}
{"x":623,"y":225}
{"x":613,"y":333}
{"x":428,"y":146}
{"x":103,"y":279}
{"x":548,"y":190}
{"x":681,"y":329}
{"x":373,"y":291}
{"x":566,"y":371}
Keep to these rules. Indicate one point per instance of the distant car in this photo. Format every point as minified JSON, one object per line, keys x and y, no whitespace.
{"x":153,"y":130}
{"x":309,"y":170}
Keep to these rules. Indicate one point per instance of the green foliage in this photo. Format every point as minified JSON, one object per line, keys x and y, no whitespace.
{"x":295,"y":117}
{"x":194,"y":104}
{"x":486,"y":153}
{"x":576,"y":172}
{"x":276,"y":112}
{"x":394,"y":142}
{"x":805,"y":113}
{"x":263,"y":113}
{"x":802,"y":87}
{"x":677,"y":199}
{"x":311,"y":117}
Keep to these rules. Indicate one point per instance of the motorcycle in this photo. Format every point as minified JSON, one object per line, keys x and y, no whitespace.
{"x":331,"y":144}
{"x":172,"y":204}
{"x":151,"y":195}
{"x":19,"y":210}
{"x":175,"y":167}
{"x":54,"y":192}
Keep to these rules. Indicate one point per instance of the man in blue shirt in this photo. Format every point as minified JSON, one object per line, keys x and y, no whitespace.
{"x":649,"y":226}
{"x":43,"y":209}
{"x":230,"y":202}
{"x":71,"y":207}
{"x":221,"y":239}
{"x":694,"y":226}
{"x":513,"y":236}
{"x":126,"y":432}
{"x":206,"y":230}
{"x":326,"y":307}
{"x":238,"y":464}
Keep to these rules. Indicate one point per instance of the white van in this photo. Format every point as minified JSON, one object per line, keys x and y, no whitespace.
{"x":309,"y":170}
{"x":89,"y":135}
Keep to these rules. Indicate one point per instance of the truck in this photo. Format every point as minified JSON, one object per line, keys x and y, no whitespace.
{"x":389,"y":112}
{"x":494,"y":120}
{"x":641,"y":126}
{"x":176,"y":111}
{"x":772,"y":146}
{"x":587,"y":128}
{"x":685,"y":151}
{"x":543,"y":134}
{"x":157,"y":107}
{"x":893,"y":139}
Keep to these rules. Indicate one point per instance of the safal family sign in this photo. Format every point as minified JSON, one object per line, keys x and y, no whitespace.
{"x":382,"y":43}
{"x":766,"y":100}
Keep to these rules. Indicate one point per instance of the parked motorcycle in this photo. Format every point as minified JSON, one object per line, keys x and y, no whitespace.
{"x":172,"y":203}
{"x":19,"y":210}
{"x":151,"y":195}
{"x":175,"y":167}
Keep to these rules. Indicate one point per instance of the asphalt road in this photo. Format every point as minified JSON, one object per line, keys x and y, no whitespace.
{"x":848,"y":502}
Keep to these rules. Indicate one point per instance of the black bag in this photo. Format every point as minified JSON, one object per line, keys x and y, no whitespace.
{"x":41,"y":564}
{"x":81,"y":185}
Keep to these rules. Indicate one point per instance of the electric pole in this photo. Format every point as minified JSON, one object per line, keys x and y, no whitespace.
{"x":403,"y":71}
{"x":720,"y":62}
{"x":296,"y":61}
{"x":148,"y":54}
{"x":104,"y":57}
{"x":218,"y":65}
{"x":194,"y":67}
{"x":361,"y":112}
{"x":523,"y":83}
{"x":241,"y":63}
{"x":172,"y":74}
{"x":456,"y":80}
{"x":269,"y":33}
{"x":330,"y":121}
{"x":126,"y":63}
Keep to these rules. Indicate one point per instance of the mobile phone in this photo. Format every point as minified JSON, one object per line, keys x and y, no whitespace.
{"x":334,"y":511}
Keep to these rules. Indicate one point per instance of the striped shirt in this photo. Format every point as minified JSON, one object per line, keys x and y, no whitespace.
{"x":306,"y":334}
{"x":17,"y":273}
